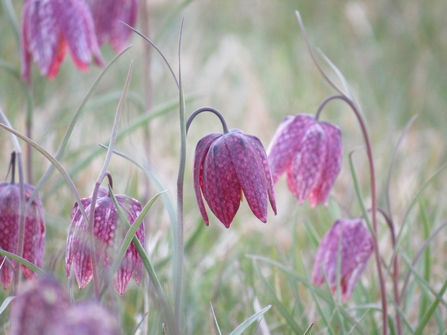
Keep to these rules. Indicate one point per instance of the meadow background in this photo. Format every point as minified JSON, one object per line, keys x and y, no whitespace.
{"x":248,"y":59}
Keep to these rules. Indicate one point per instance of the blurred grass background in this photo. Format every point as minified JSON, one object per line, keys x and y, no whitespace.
{"x":248,"y":59}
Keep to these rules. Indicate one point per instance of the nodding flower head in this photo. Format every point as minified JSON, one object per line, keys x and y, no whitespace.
{"x":354,"y":241}
{"x":108,"y":232}
{"x":108,"y":16}
{"x":34,"y":238}
{"x":227,"y":165}
{"x":49,"y":28}
{"x":310,"y":152}
{"x":44,"y":308}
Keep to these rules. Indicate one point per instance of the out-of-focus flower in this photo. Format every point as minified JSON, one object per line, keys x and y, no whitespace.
{"x":356,"y":246}
{"x":43,"y":308}
{"x":34,"y":239}
{"x":226,"y":165}
{"x":89,"y":319}
{"x":108,"y":15}
{"x":40,"y":308}
{"x":106,"y":228}
{"x":49,"y":27}
{"x":310,"y":152}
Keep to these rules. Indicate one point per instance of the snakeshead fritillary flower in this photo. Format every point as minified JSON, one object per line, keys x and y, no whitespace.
{"x":225,"y":165}
{"x":108,"y":14}
{"x":9,"y":230}
{"x":310,"y":152}
{"x":106,"y":228}
{"x":44,"y":308}
{"x":356,"y":247}
{"x":49,"y":27}
{"x":40,"y":308}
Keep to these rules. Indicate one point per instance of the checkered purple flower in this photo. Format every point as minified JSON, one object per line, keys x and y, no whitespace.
{"x":108,"y":232}
{"x":108,"y":15}
{"x":49,"y":28}
{"x":34,"y":239}
{"x":310,"y":152}
{"x":356,"y":246}
{"x":227,"y":166}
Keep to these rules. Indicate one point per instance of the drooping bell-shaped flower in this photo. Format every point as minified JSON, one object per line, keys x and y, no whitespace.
{"x":109,"y":232}
{"x":44,"y":308}
{"x":34,"y":237}
{"x":310,"y":152}
{"x":108,"y":15}
{"x":227,"y":165}
{"x":355,"y":243}
{"x":49,"y":28}
{"x":39,"y":308}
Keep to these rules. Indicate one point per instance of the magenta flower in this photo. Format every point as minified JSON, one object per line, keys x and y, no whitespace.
{"x":225,"y":165}
{"x":310,"y":152}
{"x":108,"y":14}
{"x":106,"y":228}
{"x":356,"y":248}
{"x":44,"y":308}
{"x":40,"y":308}
{"x":33,"y":246}
{"x":49,"y":27}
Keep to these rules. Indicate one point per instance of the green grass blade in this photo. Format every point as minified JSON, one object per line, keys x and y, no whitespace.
{"x":6,"y":303}
{"x":307,"y":332}
{"x":278,"y":304}
{"x":61,"y":150}
{"x":22,"y":261}
{"x":244,"y":325}
{"x":215,"y":319}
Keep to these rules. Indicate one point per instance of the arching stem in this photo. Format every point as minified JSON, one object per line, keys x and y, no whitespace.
{"x":207,"y":109}
{"x":373,"y":200}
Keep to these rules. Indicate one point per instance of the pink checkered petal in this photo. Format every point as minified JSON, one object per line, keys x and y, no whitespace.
{"x":332,"y":165}
{"x":42,"y":38}
{"x":201,"y":150}
{"x":356,"y":249}
{"x":257,"y":145}
{"x":307,"y":166}
{"x":250,"y":172}
{"x":221,"y":187}
{"x":286,"y":142}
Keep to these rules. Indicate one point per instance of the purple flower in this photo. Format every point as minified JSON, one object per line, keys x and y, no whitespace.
{"x":34,"y":239}
{"x":43,"y":308}
{"x":226,"y":165}
{"x":106,"y":228}
{"x":108,"y":14}
{"x":310,"y":152}
{"x":356,"y":247}
{"x":49,"y":27}
{"x":39,"y":309}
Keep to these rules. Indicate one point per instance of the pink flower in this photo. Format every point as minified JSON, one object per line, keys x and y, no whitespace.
{"x":106,"y":228}
{"x":33,"y":246}
{"x":356,"y":247}
{"x":44,"y":308}
{"x":310,"y":152}
{"x":39,"y":308}
{"x":108,"y":15}
{"x":49,"y":27}
{"x":225,"y":165}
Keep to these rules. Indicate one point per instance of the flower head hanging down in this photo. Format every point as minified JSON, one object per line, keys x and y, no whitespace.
{"x":356,"y":246}
{"x":310,"y":152}
{"x":225,"y":165}
{"x":44,"y":308}
{"x":106,"y":228}
{"x":49,"y":27}
{"x":34,"y":239}
{"x":108,"y":15}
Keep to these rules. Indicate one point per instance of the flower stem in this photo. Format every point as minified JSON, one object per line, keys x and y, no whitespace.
{"x":207,"y":109}
{"x":373,"y":201}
